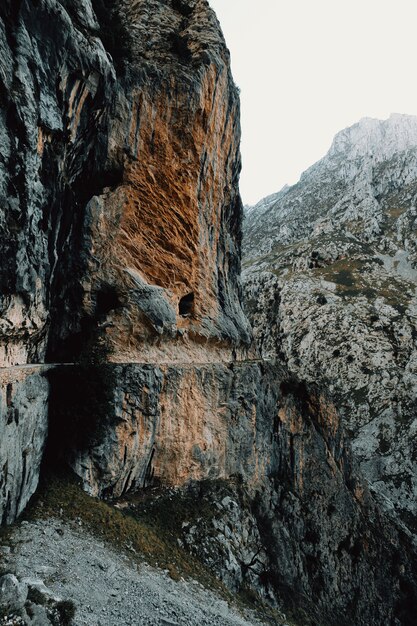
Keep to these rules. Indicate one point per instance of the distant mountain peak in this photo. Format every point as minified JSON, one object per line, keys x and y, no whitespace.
{"x":368,"y":176}
{"x":330,"y":283}
{"x":377,"y":138}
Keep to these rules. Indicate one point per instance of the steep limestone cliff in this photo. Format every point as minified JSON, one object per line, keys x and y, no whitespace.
{"x":331,"y":284}
{"x":122,"y":337}
{"x":24,"y":427}
{"x":120,"y":230}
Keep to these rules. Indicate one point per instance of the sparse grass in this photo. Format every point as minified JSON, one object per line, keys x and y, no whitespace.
{"x":354,"y":278}
{"x":147,"y":531}
{"x":396,"y":211}
{"x":355,"y":227}
{"x":62,"y":496}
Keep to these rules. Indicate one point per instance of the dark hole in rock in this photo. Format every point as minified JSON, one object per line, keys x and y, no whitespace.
{"x":321,"y":299}
{"x":107,"y":300}
{"x":179,"y":46}
{"x":182,"y":7}
{"x":81,"y":407}
{"x":9,"y":390}
{"x":186,"y":305}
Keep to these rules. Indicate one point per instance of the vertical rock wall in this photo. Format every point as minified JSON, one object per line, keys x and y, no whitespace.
{"x":23,"y":429}
{"x":168,"y":425}
{"x":45,"y":145}
{"x":121,"y":218}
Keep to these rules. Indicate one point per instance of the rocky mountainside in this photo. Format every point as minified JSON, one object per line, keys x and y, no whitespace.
{"x":120,"y":229}
{"x":125,"y":355}
{"x":331,"y":289}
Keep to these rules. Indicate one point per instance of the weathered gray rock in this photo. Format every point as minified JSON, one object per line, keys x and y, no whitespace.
{"x":23,"y":430}
{"x":36,"y":587}
{"x":13,"y":593}
{"x":228,"y":540}
{"x":331,"y":290}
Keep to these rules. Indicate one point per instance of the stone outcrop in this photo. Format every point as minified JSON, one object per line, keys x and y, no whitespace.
{"x":331,"y":278}
{"x":23,"y":430}
{"x":28,"y":602}
{"x":120,"y":228}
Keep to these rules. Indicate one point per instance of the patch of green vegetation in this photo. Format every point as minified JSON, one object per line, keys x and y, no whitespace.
{"x":170,"y":509}
{"x":347,"y":273}
{"x":65,"y":613}
{"x":353,"y":279}
{"x":395,"y":293}
{"x":147,"y":530}
{"x":142,"y":537}
{"x":396,"y":211}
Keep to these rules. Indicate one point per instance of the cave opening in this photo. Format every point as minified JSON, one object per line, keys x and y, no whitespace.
{"x":81,"y":405}
{"x":182,"y":7}
{"x":186,"y":305}
{"x":107,"y":300}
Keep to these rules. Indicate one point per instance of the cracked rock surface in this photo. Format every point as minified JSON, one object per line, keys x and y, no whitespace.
{"x":331,"y":291}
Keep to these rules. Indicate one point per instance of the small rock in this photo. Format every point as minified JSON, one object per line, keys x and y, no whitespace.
{"x":35,"y":585}
{"x":46,"y":570}
{"x":13,"y":594}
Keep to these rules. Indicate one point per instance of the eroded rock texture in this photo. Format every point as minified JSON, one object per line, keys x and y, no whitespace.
{"x":120,"y":222}
{"x":120,"y":238}
{"x":165,"y":424}
{"x":23,"y":429}
{"x":331,"y":284}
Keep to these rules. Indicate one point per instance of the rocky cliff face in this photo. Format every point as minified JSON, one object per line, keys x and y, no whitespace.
{"x":120,"y":233}
{"x":331,"y":280}
{"x":122,"y":338}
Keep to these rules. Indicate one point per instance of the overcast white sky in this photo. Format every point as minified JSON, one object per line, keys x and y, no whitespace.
{"x":309,"y":68}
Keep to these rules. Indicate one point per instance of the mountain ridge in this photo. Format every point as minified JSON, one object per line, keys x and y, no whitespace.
{"x":337,"y":251}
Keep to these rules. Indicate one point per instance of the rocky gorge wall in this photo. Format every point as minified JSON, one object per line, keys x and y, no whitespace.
{"x":124,"y":350}
{"x":120,"y":230}
{"x":331,"y":289}
{"x":164,"y":424}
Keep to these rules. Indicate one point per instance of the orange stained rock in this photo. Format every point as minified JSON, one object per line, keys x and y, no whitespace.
{"x":176,"y":186}
{"x":359,"y":493}
{"x":325,"y":412}
{"x":192,"y":436}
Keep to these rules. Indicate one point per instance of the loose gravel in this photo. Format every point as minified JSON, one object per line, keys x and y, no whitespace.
{"x":109,"y":588}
